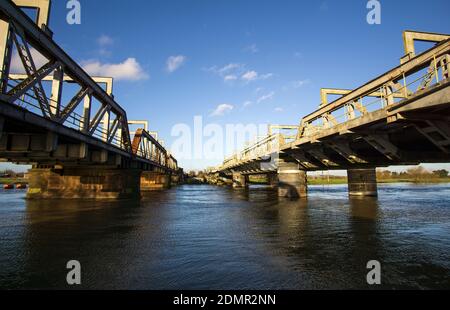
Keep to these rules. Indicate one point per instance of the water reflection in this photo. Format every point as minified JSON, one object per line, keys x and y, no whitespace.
{"x":205,"y":237}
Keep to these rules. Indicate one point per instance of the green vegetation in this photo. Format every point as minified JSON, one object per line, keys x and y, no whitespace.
{"x":331,"y":180}
{"x":10,"y":177}
{"x":412,"y":175}
{"x":13,"y":180}
{"x":257,"y":179}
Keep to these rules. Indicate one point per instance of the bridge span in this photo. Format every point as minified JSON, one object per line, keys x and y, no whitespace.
{"x":66,"y":123}
{"x":401,"y":117}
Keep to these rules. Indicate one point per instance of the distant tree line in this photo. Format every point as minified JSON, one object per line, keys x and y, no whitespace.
{"x":416,"y":174}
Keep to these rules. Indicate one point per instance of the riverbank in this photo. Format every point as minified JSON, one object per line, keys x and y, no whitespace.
{"x":337,"y":181}
{"x":13,"y":181}
{"x":343,"y":180}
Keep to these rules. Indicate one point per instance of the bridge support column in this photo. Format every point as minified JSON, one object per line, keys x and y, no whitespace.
{"x":154,"y":180}
{"x":362,"y":182}
{"x":83,"y":183}
{"x":174,"y":179}
{"x":291,"y":180}
{"x":240,"y":180}
{"x":272,"y":180}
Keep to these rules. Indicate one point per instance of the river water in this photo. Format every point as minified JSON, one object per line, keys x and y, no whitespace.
{"x":206,"y":237}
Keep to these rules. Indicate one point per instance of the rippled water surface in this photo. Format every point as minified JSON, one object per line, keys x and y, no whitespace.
{"x":206,"y":237}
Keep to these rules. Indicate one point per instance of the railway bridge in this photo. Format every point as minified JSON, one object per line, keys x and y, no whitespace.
{"x":67,"y":124}
{"x":401,"y":117}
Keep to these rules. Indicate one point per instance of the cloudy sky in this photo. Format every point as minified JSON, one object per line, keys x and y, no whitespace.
{"x":229,"y":61}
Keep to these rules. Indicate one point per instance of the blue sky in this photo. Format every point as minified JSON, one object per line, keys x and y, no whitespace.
{"x":263,"y":61}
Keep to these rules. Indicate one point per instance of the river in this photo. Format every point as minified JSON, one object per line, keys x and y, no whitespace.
{"x":206,"y":237}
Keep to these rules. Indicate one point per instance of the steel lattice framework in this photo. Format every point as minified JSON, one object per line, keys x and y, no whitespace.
{"x":90,"y":115}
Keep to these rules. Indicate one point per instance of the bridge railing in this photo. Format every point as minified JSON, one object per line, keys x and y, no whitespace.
{"x":412,"y":77}
{"x":263,"y":147}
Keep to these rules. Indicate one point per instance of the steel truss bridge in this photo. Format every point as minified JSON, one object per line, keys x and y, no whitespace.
{"x":54,"y":115}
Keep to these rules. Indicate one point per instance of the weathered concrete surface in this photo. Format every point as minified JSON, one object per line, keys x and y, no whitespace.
{"x":83,"y":183}
{"x":153,"y":181}
{"x":240,"y":180}
{"x":292,"y":182}
{"x":362,"y":182}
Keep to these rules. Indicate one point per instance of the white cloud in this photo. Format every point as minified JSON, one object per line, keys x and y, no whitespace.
{"x":105,"y":40}
{"x":129,"y":69}
{"x":16,"y":62}
{"x":250,"y":76}
{"x":268,"y":96}
{"x":227,"y":68}
{"x":278,"y":109}
{"x":230,"y":77}
{"x":251,"y":49}
{"x":234,"y":71}
{"x":228,"y":72}
{"x":246,"y":104}
{"x":174,"y":62}
{"x":253,"y":75}
{"x":221,"y":109}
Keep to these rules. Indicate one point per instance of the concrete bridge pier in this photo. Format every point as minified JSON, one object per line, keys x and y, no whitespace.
{"x":174,"y":179}
{"x":88,"y":182}
{"x":292,"y":181}
{"x":154,"y":180}
{"x":362,"y":182}
{"x":240,"y":180}
{"x":272,"y":180}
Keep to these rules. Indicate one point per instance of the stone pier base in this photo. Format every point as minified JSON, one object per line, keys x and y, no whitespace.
{"x":83,"y":183}
{"x":240,"y":180}
{"x":153,"y":181}
{"x":362,"y":182}
{"x":291,"y":180}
